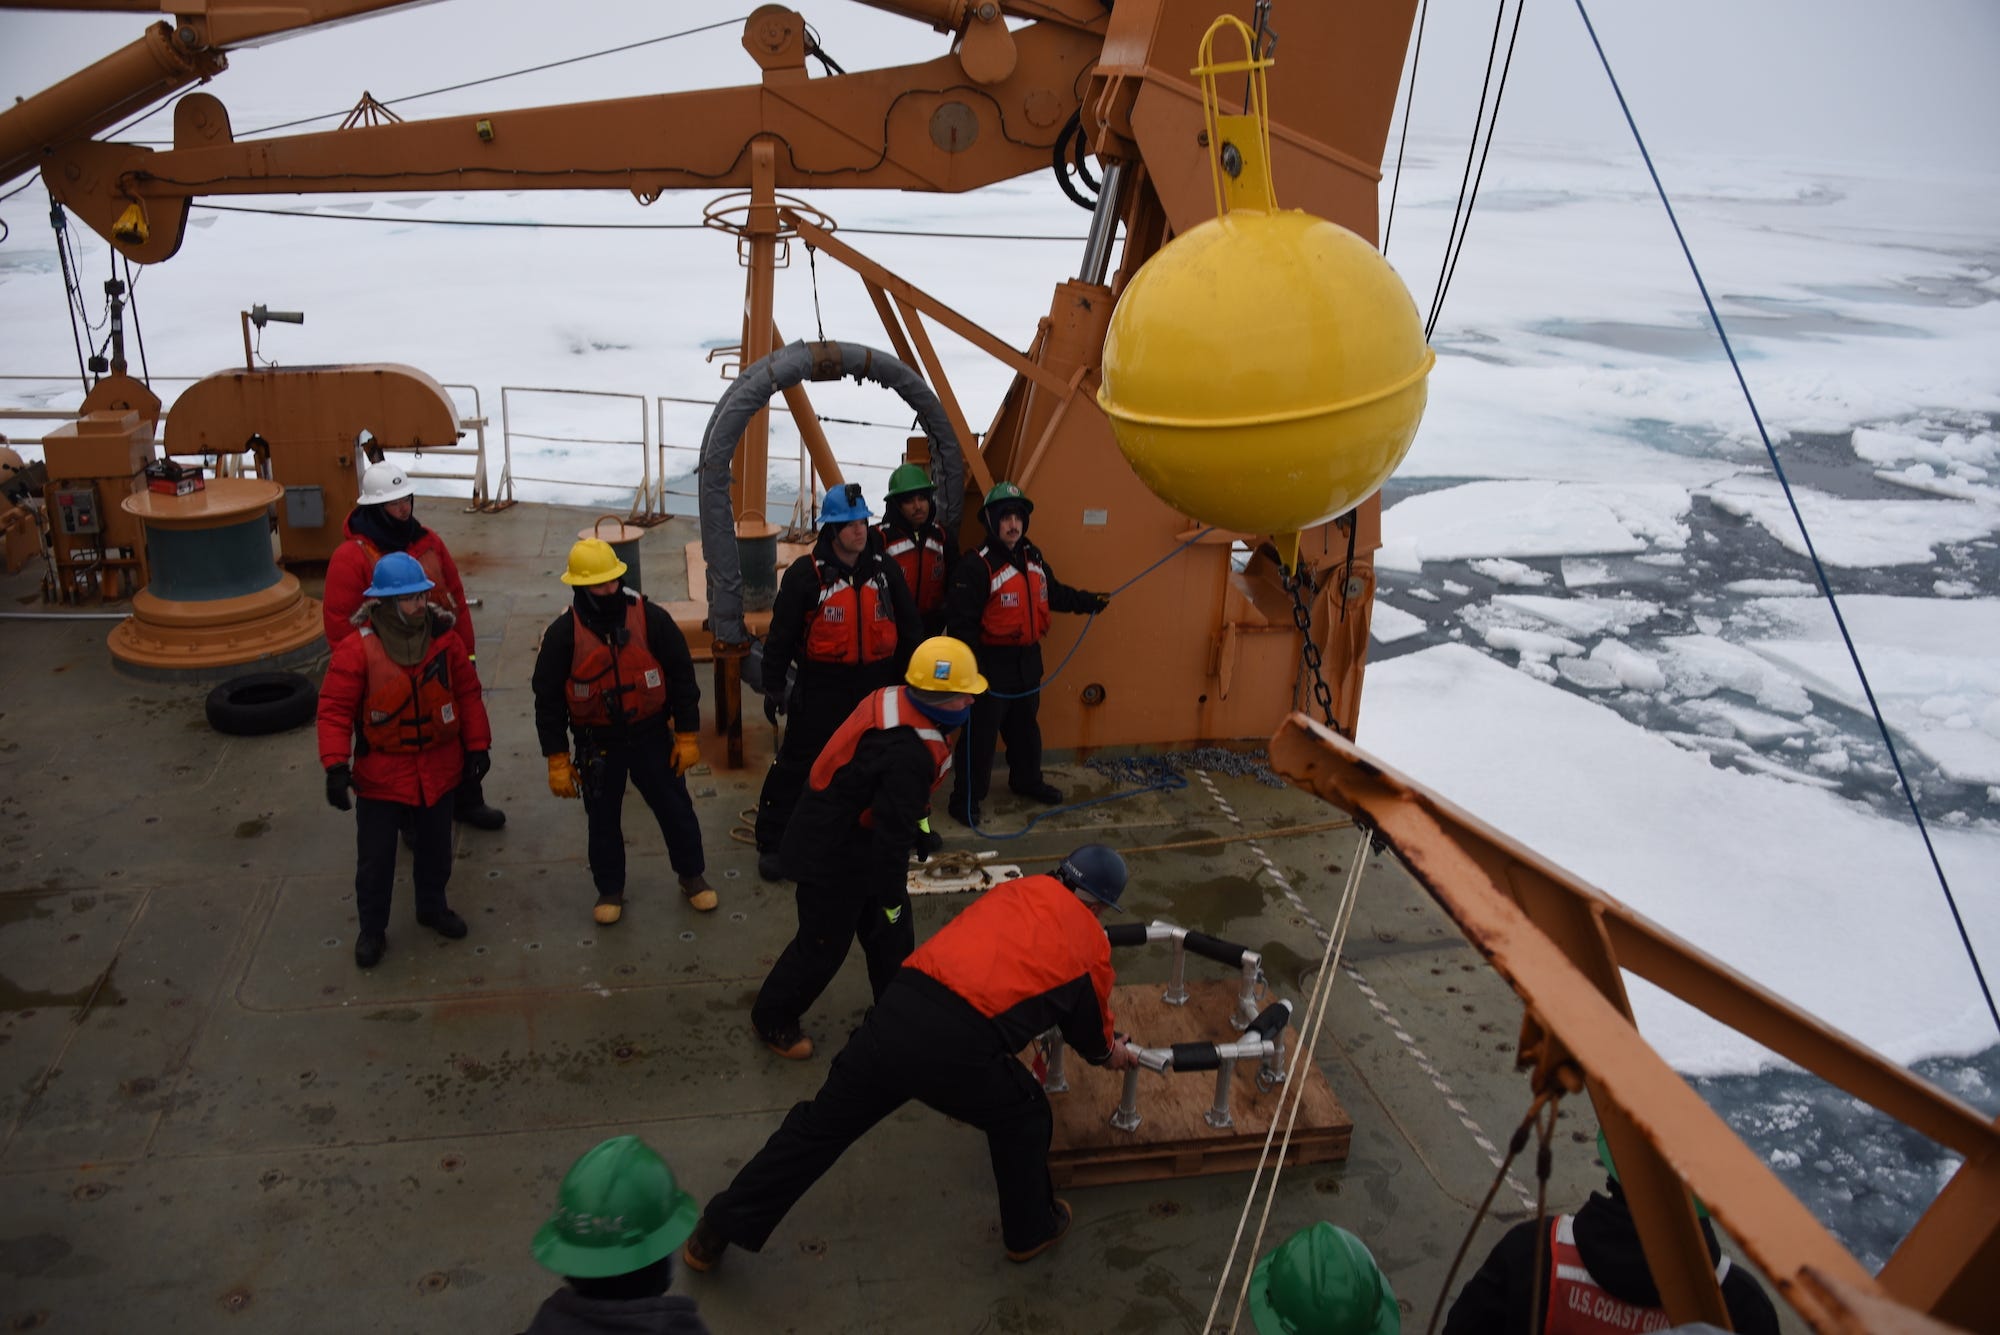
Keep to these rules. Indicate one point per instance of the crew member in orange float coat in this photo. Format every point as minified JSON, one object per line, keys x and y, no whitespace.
{"x":1026,"y":956}
{"x":385,"y":521}
{"x":999,"y":602}
{"x":865,"y":810}
{"x":846,"y":617}
{"x":613,"y":671}
{"x":916,"y":542}
{"x":402,"y":701}
{"x":1593,"y":1277}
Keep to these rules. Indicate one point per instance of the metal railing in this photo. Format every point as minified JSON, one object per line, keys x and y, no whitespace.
{"x":476,"y":425}
{"x":642,"y":491}
{"x":661,"y":464}
{"x":231,"y":463}
{"x":806,"y":502}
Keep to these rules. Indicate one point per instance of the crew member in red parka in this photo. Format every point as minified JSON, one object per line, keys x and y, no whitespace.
{"x":401,"y":723}
{"x":383,"y":522}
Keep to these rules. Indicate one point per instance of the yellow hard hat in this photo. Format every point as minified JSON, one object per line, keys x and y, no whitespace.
{"x":944,"y":664}
{"x":592,"y":561}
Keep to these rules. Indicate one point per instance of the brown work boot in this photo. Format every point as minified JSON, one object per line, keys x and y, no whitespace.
{"x":699,"y":894}
{"x":1062,"y":1226}
{"x":704,"y":1247}
{"x":610,"y":908}
{"x":787,"y":1041}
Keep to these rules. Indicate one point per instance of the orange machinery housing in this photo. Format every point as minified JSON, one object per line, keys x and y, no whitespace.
{"x":1218,"y":646}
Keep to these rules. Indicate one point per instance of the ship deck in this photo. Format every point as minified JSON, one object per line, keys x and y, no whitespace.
{"x":214,"y":1121}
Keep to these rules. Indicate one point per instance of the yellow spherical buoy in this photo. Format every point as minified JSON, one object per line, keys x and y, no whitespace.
{"x":1265,"y":371}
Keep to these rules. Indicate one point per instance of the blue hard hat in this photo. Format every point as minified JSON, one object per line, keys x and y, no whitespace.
{"x":843,"y":505}
{"x":397,"y":574}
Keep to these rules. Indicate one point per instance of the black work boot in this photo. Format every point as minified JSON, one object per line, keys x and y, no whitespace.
{"x":470,"y":807}
{"x":368,"y":949}
{"x":444,"y":922}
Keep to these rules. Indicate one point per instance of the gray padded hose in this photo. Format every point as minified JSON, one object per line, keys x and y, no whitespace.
{"x":785,"y":367}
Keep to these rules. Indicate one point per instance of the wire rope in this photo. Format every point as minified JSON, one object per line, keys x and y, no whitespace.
{"x":1464,"y":226}
{"x":1403,"y":142}
{"x":1309,"y":1031}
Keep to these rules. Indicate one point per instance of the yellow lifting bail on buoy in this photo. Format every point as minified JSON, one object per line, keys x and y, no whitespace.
{"x":1265,"y":371}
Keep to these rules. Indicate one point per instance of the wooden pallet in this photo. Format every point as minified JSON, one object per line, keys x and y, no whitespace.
{"x":1172,"y":1139}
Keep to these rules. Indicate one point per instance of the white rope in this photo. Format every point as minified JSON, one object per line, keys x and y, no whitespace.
{"x":1315,"y":1017}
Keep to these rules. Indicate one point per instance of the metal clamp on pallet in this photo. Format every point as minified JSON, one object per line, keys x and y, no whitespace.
{"x":1248,"y":961}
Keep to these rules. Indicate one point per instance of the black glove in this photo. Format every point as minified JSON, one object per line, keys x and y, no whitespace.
{"x":477,"y":763}
{"x":928,"y":843}
{"x":1101,"y":601}
{"x":339,"y":778}
{"x":772,"y":708}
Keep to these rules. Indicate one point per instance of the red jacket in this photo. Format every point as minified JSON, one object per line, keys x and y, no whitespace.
{"x":417,"y":778}
{"x":352,"y":567}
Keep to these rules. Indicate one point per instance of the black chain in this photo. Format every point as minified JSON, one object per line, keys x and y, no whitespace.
{"x":1298,"y":585}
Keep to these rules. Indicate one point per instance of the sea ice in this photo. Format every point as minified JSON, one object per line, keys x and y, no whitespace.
{"x":1732,"y":861}
{"x":1390,"y":623}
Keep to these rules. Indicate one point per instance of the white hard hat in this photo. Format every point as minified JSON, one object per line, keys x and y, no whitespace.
{"x":385,"y":482}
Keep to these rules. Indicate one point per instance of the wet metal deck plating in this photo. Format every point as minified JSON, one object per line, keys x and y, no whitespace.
{"x":213,"y":1121}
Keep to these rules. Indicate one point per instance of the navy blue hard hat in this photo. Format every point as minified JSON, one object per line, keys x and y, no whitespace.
{"x":1097,"y":871}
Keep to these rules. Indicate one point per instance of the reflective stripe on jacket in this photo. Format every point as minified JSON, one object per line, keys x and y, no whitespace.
{"x":1017,"y":606}
{"x":406,"y":710}
{"x":1578,"y":1305}
{"x":922,"y":561}
{"x":855,"y":621}
{"x":614,"y":684}
{"x":886,"y":708}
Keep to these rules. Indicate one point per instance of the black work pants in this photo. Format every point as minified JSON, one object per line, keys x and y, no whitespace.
{"x":471,"y":796}
{"x":836,"y":909}
{"x":648,"y":761}
{"x":377,"y":824}
{"x":813,"y":713}
{"x":919,"y":1042}
{"x":1013,"y":672}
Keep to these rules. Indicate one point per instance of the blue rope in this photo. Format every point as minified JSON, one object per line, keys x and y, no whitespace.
{"x":1165,"y":783}
{"x":1092,"y":619}
{"x":1825,"y":584}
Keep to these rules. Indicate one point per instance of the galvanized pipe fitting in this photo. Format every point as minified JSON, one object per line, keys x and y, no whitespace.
{"x":1053,"y":1079}
{"x":1218,"y":1116}
{"x":1127,"y":1118}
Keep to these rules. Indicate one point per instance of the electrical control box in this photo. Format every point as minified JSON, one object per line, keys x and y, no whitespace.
{"x":75,"y":510}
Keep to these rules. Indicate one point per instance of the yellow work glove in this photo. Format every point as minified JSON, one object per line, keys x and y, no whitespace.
{"x":562,"y":777}
{"x":687,"y":753}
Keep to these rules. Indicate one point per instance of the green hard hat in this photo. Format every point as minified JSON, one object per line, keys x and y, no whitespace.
{"x":1007,"y":491}
{"x":1322,"y":1281}
{"x":906,"y":479}
{"x":620,"y":1210}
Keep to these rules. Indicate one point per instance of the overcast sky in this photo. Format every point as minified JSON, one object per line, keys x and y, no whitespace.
{"x":1806,"y":79}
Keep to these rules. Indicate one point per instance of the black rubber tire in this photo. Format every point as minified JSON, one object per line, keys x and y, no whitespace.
{"x":262,"y":703}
